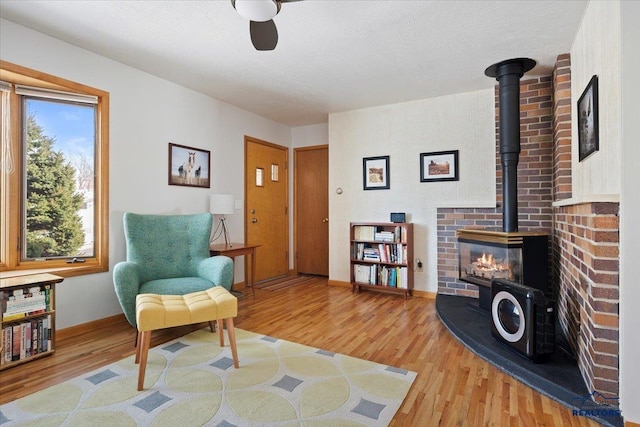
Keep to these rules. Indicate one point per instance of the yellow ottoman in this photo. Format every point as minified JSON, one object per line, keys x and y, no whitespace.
{"x":155,"y":312}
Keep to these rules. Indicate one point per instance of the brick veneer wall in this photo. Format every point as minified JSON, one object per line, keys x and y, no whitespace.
{"x":587,"y":241}
{"x":562,"y":128}
{"x":534,"y":185}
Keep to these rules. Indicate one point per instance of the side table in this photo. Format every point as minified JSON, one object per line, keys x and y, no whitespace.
{"x":233,"y":250}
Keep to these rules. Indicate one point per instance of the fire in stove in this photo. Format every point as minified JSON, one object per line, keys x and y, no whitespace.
{"x":485,"y":255}
{"x":488,"y":267}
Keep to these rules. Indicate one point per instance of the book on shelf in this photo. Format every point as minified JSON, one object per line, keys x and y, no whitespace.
{"x":44,"y":337}
{"x":361,"y":273}
{"x":384,"y":252}
{"x":26,"y":338}
{"x":371,"y":254}
{"x":23,"y":340}
{"x":393,"y":277}
{"x":35,"y":346}
{"x":42,"y":333}
{"x":400,"y":234}
{"x":49,"y":332}
{"x":366,"y":274}
{"x":17,"y":304}
{"x":358,"y":251}
{"x":395,"y":253}
{"x":383,"y":236}
{"x":364,"y":232}
{"x":7,"y":341}
{"x":374,"y":233}
{"x":16,"y":335}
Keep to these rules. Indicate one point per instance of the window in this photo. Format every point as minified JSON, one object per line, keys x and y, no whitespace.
{"x":53,"y":174}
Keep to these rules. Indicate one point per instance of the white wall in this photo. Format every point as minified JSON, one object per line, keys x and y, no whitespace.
{"x":596,"y":50}
{"x":629,"y":214}
{"x":463,"y":122}
{"x":146,"y":114}
{"x":306,"y":136}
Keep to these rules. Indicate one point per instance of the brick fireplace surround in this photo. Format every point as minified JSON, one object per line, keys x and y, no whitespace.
{"x":584,"y":237}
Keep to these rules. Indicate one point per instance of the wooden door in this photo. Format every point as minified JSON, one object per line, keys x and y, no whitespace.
{"x":266,"y":206}
{"x":311,"y":217}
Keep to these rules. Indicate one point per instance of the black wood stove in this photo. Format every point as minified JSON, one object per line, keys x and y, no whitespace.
{"x":485,"y":254}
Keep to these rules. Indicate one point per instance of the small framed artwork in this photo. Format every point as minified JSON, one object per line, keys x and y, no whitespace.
{"x":375,"y":173}
{"x":439,"y":166}
{"x":189,"y":166}
{"x":588,"y":120}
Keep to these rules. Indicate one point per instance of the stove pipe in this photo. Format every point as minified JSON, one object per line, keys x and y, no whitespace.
{"x":508,"y":74}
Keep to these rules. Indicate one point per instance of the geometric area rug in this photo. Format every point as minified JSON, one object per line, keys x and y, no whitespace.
{"x":191,"y":381}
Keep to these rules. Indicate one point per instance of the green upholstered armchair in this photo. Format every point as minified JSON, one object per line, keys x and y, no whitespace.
{"x":168,"y":255}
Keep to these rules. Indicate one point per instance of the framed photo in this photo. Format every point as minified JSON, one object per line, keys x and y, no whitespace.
{"x":189,"y":166}
{"x":439,"y":166}
{"x":375,"y":173}
{"x":588,"y":141}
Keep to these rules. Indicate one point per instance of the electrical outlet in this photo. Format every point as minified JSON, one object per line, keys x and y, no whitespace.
{"x":418,"y":265}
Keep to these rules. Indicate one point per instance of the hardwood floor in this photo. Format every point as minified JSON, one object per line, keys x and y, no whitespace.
{"x":453,"y":388}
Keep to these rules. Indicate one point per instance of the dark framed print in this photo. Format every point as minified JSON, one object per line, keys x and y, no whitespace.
{"x":189,"y":166}
{"x":588,"y":140}
{"x":375,"y":173}
{"x":439,"y":166}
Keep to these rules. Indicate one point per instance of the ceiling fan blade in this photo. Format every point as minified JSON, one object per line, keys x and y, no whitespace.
{"x":264,"y":35}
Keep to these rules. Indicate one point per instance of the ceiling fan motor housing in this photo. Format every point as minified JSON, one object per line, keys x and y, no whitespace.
{"x":257,"y":10}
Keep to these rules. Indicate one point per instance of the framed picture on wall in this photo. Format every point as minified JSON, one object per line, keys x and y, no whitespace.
{"x":588,"y":141}
{"x":375,"y":173}
{"x":439,"y":166}
{"x":189,"y":166}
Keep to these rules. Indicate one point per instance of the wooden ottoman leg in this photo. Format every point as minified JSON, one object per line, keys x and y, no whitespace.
{"x":145,"y":340}
{"x":220,"y":332}
{"x":212,"y":326}
{"x":138,"y":346}
{"x":232,"y":341}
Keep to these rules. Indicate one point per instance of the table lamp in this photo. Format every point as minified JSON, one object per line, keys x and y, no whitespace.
{"x":222,"y":204}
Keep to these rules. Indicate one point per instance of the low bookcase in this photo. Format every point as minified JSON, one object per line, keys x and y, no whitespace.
{"x":382,"y":257}
{"x":27,"y":306}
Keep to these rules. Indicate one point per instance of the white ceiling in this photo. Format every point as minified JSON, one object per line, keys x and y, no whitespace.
{"x":332,"y":55}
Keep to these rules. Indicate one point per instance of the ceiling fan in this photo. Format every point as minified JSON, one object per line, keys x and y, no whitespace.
{"x":260,"y":13}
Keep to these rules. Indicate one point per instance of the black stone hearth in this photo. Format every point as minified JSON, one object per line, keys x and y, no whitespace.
{"x":558,"y":377}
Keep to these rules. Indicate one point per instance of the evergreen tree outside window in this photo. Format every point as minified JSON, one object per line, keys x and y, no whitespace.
{"x":58,"y":204}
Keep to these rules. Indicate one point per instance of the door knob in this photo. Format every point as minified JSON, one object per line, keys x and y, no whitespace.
{"x":254,"y":220}
{"x":325,"y":220}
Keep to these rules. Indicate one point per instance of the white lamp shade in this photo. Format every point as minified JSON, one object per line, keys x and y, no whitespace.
{"x":257,"y":10}
{"x":221,"y":204}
